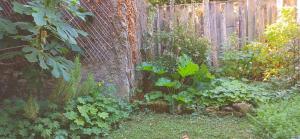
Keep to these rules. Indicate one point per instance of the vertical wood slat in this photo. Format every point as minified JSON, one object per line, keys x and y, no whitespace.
{"x":214,"y":36}
{"x":230,"y":23}
{"x":298,"y":10}
{"x":242,"y":30}
{"x":251,"y":5}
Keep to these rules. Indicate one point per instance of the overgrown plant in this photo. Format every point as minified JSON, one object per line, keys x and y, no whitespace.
{"x":171,"y":85}
{"x":65,"y":91}
{"x":92,"y":113}
{"x":280,"y":120}
{"x":273,"y":57}
{"x":48,"y":37}
{"x":181,"y":41}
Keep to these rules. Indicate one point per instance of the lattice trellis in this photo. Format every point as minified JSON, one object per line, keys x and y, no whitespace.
{"x":101,"y":29}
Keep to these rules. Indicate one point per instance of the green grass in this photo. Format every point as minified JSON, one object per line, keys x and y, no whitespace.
{"x":164,"y":126}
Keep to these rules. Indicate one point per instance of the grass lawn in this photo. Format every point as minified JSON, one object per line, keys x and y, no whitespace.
{"x":163,"y":126}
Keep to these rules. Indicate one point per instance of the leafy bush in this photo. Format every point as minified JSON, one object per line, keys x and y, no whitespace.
{"x":229,"y":91}
{"x":67,"y":90}
{"x":170,"y":82}
{"x":180,"y":41}
{"x":76,"y":110}
{"x":94,"y":115}
{"x":273,"y":57}
{"x":279,"y":120}
{"x":15,"y":125}
{"x":191,"y":85}
{"x":47,"y":38}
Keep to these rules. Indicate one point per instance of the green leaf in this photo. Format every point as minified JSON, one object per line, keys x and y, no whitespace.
{"x":66,"y":32}
{"x":39,"y":18}
{"x":186,"y":66}
{"x":145,"y":66}
{"x":31,"y":54}
{"x":164,"y":82}
{"x":21,"y":8}
{"x":42,"y":61}
{"x":7,"y":27}
{"x":70,"y":115}
{"x":154,"y":96}
{"x":79,"y":121}
{"x":103,"y":115}
{"x":27,"y":26}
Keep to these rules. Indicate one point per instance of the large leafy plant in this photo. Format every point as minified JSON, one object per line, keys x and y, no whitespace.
{"x":48,"y":37}
{"x":175,"y":86}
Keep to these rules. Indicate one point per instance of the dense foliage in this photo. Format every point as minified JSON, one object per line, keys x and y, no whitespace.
{"x":47,"y":38}
{"x":278,"y":120}
{"x":274,"y":57}
{"x":74,"y":110}
{"x":191,"y":86}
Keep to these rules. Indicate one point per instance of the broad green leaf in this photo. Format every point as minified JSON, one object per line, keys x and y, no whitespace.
{"x":7,"y":26}
{"x":79,"y":121}
{"x":204,"y":74}
{"x":145,"y":66}
{"x":42,"y":62}
{"x":39,"y":18}
{"x":21,"y":8}
{"x":103,"y":115}
{"x":31,"y":54}
{"x":55,"y":71}
{"x":186,"y":66}
{"x":164,"y":82}
{"x":154,"y":96}
{"x":75,"y":48}
{"x":27,"y":26}
{"x":70,"y":115}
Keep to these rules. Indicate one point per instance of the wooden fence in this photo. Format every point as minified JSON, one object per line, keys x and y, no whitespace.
{"x":244,"y":20}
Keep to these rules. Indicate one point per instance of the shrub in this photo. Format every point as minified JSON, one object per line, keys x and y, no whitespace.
{"x":191,"y":85}
{"x":229,"y":91}
{"x":92,"y":116}
{"x":279,"y":120}
{"x":15,"y":125}
{"x":47,"y":37}
{"x":180,"y":41}
{"x":170,"y":82}
{"x":273,"y":57}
